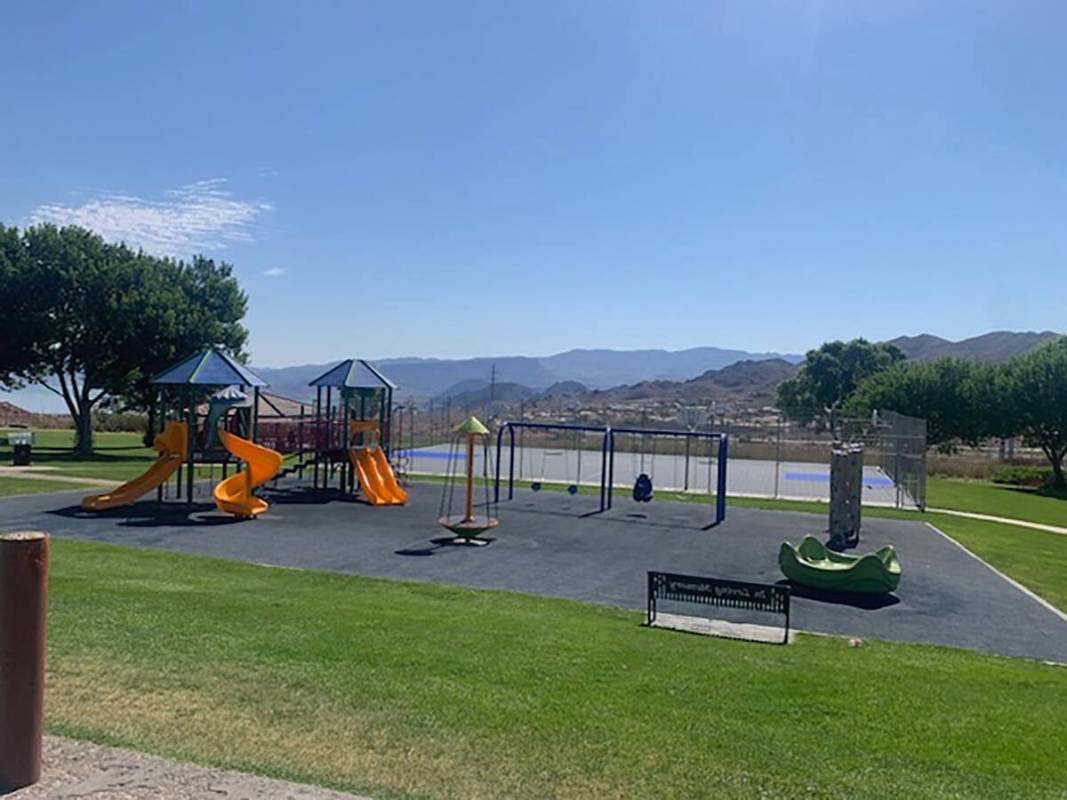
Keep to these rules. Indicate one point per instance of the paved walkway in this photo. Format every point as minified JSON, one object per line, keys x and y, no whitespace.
{"x":1019,"y":523}
{"x":44,"y":474}
{"x":82,"y":770}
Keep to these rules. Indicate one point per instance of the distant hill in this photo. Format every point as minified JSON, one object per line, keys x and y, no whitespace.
{"x":602,"y":369}
{"x":994,"y":346}
{"x":424,"y":378}
{"x":476,"y":394}
{"x":751,"y":380}
{"x":418,"y":377}
{"x":12,"y":415}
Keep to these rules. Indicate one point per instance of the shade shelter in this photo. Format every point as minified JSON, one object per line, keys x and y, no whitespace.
{"x":182,"y":388}
{"x":353,"y":400}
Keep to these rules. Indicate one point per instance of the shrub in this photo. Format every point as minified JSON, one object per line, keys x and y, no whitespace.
{"x":124,"y":421}
{"x":1022,"y":476}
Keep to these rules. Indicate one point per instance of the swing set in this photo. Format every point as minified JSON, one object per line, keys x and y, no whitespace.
{"x":548,"y":456}
{"x":645,"y":463}
{"x":643,"y":459}
{"x":572,"y":486}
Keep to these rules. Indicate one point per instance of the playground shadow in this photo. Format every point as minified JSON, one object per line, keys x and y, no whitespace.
{"x":154,"y":515}
{"x":310,"y":497}
{"x":438,"y":545}
{"x":869,"y":602}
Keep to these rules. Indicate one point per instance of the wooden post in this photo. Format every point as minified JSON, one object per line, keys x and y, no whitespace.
{"x":23,"y":608}
{"x":470,"y":478}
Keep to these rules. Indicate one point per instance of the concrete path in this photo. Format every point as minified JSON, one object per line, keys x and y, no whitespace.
{"x":1019,"y":523}
{"x":44,"y":474}
{"x":82,"y":770}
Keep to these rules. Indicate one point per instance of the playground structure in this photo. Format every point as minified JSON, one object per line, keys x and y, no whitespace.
{"x":209,"y":405}
{"x":172,"y":445}
{"x":213,"y":388}
{"x":467,"y":526}
{"x":642,"y":484}
{"x":351,"y":433}
{"x":208,"y":387}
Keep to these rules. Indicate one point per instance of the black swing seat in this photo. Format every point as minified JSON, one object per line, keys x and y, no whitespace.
{"x":643,"y":488}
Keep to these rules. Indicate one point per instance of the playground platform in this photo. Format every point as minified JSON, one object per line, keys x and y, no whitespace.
{"x":548,"y":543}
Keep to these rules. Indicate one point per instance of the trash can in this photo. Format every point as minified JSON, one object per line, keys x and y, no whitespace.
{"x":23,"y":455}
{"x":21,"y":448}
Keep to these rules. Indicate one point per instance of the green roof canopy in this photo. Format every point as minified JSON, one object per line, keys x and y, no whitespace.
{"x":354,"y":373}
{"x":472,"y":425}
{"x":209,"y":367}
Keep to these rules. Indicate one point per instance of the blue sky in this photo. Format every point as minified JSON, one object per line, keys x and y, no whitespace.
{"x":469,"y":178}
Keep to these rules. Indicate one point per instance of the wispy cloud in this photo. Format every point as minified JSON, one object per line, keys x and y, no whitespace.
{"x":197,"y":217}
{"x":274,"y":272}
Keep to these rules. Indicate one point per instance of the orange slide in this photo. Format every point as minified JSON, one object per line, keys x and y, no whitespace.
{"x":376,"y":477}
{"x":234,"y":494}
{"x":172,"y":445}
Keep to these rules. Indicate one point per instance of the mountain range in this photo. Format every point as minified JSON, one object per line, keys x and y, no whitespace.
{"x":628,"y":371}
{"x":994,"y":346}
{"x":634,"y":370}
{"x":425,"y":378}
{"x":753,"y":381}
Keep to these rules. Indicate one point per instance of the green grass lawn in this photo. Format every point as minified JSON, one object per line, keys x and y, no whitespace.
{"x":1036,"y":559}
{"x":14,"y":486}
{"x":1001,"y":501}
{"x":118,"y":456}
{"x":417,"y":690}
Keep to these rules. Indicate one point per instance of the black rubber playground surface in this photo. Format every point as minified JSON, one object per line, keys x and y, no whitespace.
{"x":544,"y":546}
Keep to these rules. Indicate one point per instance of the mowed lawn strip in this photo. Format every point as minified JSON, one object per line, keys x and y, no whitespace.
{"x":1036,"y":559}
{"x":418,"y":690}
{"x":117,"y":456}
{"x":1014,"y":502}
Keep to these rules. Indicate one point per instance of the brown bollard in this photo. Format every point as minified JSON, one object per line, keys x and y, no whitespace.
{"x":23,"y":607}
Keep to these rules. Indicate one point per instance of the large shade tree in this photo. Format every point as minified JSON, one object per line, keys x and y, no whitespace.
{"x":829,"y":375}
{"x":90,"y":319}
{"x":969,"y":401}
{"x":954,"y":396}
{"x":1032,"y":393}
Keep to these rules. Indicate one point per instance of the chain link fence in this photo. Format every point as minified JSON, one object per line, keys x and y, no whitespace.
{"x":768,"y":456}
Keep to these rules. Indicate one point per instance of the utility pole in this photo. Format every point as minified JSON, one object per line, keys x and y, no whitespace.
{"x":492,"y":384}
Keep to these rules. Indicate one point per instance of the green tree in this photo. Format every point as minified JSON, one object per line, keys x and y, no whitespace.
{"x":90,"y":319}
{"x":1032,"y":399}
{"x":951,"y":394}
{"x":829,"y":376}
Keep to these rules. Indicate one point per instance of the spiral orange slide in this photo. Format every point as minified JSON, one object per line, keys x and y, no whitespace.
{"x":234,"y":494}
{"x":172,"y":445}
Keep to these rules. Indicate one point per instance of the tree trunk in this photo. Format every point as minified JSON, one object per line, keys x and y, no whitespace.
{"x":1059,"y":481}
{"x":80,"y":406}
{"x":83,"y":432}
{"x":150,"y":425}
